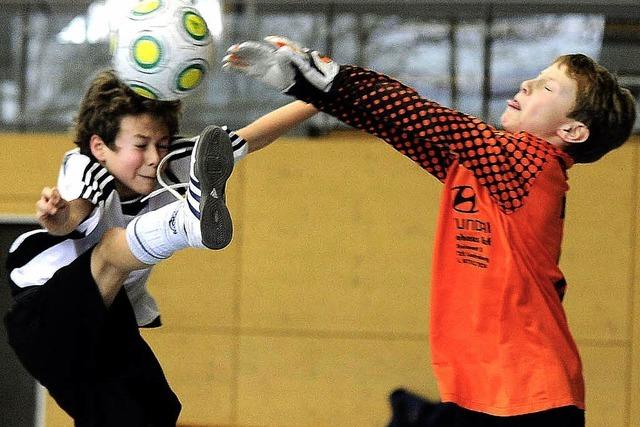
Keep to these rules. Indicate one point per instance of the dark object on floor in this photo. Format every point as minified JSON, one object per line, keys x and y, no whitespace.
{"x":411,"y":410}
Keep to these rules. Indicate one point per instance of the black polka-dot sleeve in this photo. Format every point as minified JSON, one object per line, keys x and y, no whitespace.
{"x":434,"y":136}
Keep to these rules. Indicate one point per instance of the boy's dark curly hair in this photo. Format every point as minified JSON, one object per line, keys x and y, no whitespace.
{"x":107,"y":101}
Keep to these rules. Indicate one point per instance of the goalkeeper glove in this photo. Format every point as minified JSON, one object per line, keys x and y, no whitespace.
{"x":281,"y":63}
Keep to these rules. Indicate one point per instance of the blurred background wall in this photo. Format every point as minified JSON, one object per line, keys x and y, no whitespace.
{"x":468,"y":55}
{"x":319,"y":307}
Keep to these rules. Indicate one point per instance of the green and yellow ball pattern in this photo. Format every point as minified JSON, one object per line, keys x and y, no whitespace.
{"x":195,"y":25}
{"x":146,"y":7}
{"x":190,"y":77}
{"x":147,"y":52}
{"x":143,"y":90}
{"x":163,"y":49}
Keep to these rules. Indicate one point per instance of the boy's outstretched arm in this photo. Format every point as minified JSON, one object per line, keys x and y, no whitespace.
{"x":435,"y":137}
{"x":271,"y":126}
{"x":361,"y":98}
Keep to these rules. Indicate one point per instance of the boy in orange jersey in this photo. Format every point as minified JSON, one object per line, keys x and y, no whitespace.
{"x":501,"y":347}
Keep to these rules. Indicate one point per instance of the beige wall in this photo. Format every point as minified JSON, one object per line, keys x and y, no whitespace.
{"x":319,"y":307}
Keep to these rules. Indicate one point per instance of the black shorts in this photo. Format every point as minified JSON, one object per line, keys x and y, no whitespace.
{"x":452,"y":415}
{"x":412,"y":410}
{"x":92,"y":359}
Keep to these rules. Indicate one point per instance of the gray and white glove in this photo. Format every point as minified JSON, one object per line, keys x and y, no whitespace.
{"x":281,"y":63}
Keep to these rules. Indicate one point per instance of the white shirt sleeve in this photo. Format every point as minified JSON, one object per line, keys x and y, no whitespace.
{"x":240,"y":146}
{"x":82,"y":177}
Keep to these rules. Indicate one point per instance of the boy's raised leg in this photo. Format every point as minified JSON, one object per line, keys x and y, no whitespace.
{"x":212,"y":163}
{"x":200,"y":220}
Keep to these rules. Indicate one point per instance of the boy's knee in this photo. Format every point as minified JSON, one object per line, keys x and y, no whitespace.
{"x":107,"y":270}
{"x":107,"y":248}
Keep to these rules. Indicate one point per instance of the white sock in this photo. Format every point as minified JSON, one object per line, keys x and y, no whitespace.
{"x":156,"y":235}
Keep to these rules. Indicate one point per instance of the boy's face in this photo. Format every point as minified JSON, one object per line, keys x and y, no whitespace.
{"x":141,"y":143}
{"x":542,"y":105}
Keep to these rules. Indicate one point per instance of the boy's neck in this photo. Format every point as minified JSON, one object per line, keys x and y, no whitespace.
{"x":125,"y":193}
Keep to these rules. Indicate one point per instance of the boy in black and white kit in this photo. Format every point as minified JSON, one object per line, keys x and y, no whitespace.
{"x":80,"y":283}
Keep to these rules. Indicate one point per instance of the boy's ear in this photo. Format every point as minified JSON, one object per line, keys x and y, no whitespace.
{"x":573,"y":132}
{"x":98,"y":148}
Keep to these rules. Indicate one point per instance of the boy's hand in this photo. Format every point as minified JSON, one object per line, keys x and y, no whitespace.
{"x":281,"y":63}
{"x":52,"y":211}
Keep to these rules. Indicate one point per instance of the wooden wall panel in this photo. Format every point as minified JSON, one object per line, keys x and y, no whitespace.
{"x":633,"y":371}
{"x":319,"y":307}
{"x":339,"y":234}
{"x":606,"y":384}
{"x":324,"y":381}
{"x":28,"y":163}
{"x":200,"y":367}
{"x":596,"y":256}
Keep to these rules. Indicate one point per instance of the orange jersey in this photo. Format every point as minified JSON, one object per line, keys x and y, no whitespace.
{"x":499,"y":336}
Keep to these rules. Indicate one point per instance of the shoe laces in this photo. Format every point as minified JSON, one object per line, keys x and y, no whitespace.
{"x":171,"y":188}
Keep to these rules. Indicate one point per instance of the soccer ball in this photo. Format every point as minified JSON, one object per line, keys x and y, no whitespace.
{"x":162,"y":49}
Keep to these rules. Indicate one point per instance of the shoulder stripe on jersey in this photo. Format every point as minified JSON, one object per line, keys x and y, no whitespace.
{"x":98,"y":183}
{"x":237,"y":142}
{"x":34,"y":244}
{"x":177,"y":143}
{"x":180,"y":155}
{"x":180,"y":142}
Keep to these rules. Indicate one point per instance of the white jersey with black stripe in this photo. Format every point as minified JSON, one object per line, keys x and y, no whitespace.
{"x":36,"y":255}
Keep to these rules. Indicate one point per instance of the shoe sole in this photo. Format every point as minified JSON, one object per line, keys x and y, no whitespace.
{"x":212,"y":168}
